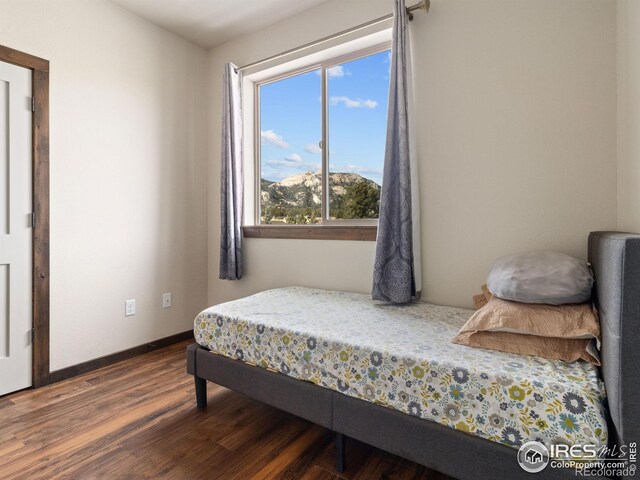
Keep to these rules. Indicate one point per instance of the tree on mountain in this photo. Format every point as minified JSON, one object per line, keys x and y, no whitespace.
{"x":268,"y":214}
{"x":360,"y":200}
{"x":296,"y":219}
{"x":278,"y":211}
{"x":308,"y":198}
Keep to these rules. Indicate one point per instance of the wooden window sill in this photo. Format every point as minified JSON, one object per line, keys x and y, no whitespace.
{"x":313,"y":232}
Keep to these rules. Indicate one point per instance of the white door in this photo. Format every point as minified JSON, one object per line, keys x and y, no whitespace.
{"x":15,"y":228}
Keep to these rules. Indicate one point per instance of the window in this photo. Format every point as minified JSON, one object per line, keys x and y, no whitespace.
{"x":320,"y":141}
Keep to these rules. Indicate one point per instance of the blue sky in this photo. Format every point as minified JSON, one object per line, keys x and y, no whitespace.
{"x":291,"y":120}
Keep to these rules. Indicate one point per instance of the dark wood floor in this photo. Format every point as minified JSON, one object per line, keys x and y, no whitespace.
{"x":137,"y":419}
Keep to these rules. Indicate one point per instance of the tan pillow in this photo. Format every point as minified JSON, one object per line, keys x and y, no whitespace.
{"x":481,"y":299}
{"x":557,"y":332}
{"x":485,"y":291}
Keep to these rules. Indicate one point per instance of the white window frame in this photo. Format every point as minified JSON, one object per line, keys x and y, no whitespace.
{"x":323,"y":66}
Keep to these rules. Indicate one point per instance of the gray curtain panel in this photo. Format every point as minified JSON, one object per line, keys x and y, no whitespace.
{"x":394,"y":276}
{"x":231,"y":176}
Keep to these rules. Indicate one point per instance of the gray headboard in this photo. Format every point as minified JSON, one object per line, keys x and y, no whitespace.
{"x":615,"y":258}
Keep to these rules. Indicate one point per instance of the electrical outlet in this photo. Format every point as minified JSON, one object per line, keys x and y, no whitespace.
{"x":166,"y":300}
{"x":129,"y":308}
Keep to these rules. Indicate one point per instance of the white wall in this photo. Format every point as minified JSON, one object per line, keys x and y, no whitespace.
{"x":629,"y":115}
{"x":516,"y":114}
{"x":127,"y":173}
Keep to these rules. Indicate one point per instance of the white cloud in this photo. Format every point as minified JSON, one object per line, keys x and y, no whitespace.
{"x":335,"y":72}
{"x":282,"y":163}
{"x":293,"y":161}
{"x":357,"y":169}
{"x":351,"y":103}
{"x":272,"y":138}
{"x":312,"y":148}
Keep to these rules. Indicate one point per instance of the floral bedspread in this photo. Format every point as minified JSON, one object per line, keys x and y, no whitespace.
{"x":402,"y":357}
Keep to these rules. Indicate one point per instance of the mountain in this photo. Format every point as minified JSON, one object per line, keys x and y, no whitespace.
{"x":304,"y":189}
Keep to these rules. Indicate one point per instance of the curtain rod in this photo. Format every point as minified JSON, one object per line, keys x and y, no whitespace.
{"x":422,"y":5}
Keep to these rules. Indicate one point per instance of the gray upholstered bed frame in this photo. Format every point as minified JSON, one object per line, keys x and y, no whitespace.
{"x":615,"y":258}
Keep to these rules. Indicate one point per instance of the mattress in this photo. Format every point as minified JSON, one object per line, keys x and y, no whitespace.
{"x":402,"y":357}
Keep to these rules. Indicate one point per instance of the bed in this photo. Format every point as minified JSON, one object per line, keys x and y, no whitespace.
{"x":389,"y":376}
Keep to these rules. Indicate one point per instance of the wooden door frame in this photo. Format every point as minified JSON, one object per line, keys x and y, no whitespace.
{"x":40,"y":155}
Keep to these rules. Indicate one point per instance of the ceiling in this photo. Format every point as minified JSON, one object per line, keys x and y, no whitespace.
{"x":209,"y":23}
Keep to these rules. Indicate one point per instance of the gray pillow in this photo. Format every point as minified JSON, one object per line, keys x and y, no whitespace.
{"x":541,"y":277}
